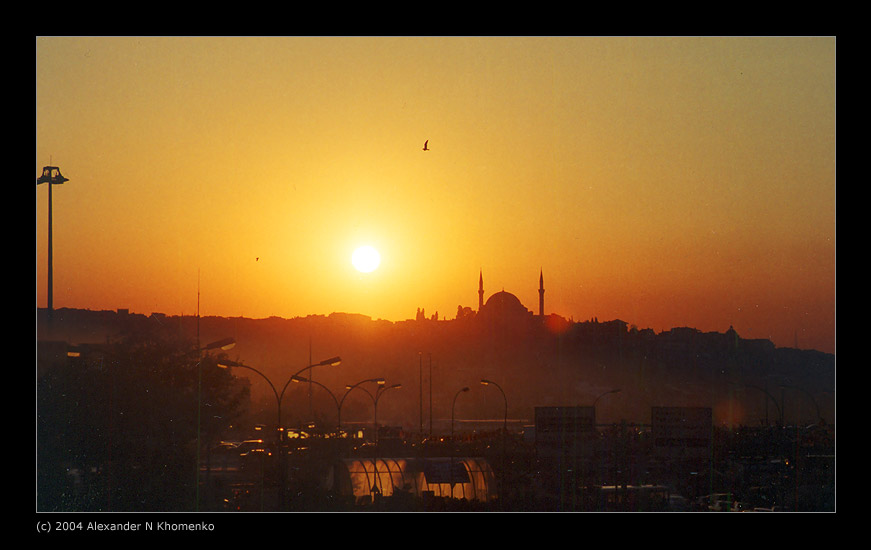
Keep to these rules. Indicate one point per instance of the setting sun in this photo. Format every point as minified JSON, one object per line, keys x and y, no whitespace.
{"x":641,"y":174}
{"x":366,"y":259}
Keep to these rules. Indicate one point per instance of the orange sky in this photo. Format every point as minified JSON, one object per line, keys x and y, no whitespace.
{"x":662,"y":181}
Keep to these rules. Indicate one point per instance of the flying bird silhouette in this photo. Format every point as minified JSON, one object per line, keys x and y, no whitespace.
{"x":424,"y":145}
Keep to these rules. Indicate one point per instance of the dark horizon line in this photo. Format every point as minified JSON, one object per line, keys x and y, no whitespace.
{"x":571,"y":321}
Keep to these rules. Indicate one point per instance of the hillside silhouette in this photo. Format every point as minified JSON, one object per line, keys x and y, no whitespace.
{"x":537,"y":360}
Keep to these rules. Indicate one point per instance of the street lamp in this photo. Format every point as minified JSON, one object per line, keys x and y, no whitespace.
{"x":807,"y":393}
{"x":485,"y":382}
{"x":223,"y":344}
{"x":603,"y":395}
{"x":333,"y":361}
{"x":379,"y":391}
{"x":278,"y":398}
{"x":769,"y":396}
{"x":300,"y":379}
{"x":52,"y":176}
{"x":453,"y":451}
{"x":596,"y":400}
{"x":452,"y":411}
{"x":349,"y":387}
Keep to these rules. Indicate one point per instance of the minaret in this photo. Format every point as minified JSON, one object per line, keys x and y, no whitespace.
{"x":541,"y":294}
{"x":481,"y":291}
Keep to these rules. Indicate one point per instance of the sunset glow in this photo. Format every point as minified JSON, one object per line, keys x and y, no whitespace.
{"x":666,"y":182}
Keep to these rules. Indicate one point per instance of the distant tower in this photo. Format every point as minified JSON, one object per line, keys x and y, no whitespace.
{"x":541,"y":294}
{"x":481,"y":291}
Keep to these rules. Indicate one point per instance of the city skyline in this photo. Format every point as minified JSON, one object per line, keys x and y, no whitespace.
{"x":662,"y":181}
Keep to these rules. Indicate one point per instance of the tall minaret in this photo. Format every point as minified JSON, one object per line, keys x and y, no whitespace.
{"x":541,"y":294}
{"x":481,"y":291}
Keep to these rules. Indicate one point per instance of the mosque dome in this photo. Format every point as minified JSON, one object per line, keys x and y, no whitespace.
{"x":504,"y":304}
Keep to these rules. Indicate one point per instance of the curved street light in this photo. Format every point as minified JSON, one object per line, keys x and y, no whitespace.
{"x":769,"y":396}
{"x":303,"y":380}
{"x":379,"y":391}
{"x":452,"y":410}
{"x":226,"y":364}
{"x":617,"y":390}
{"x":485,"y":382}
{"x":350,"y":387}
{"x":453,"y":447}
{"x":807,"y":393}
{"x":224,"y":344}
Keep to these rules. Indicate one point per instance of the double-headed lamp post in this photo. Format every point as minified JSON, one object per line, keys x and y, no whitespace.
{"x":350,"y":387}
{"x":379,"y":391}
{"x":333,"y":361}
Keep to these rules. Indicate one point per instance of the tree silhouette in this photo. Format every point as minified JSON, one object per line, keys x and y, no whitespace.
{"x":117,"y":427}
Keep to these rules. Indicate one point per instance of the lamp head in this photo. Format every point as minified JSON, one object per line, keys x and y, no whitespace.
{"x":225,"y":344}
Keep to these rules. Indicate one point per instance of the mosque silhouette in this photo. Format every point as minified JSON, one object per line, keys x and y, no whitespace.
{"x":505,"y":305}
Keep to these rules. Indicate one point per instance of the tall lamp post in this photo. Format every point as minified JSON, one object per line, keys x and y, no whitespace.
{"x":224,"y":344}
{"x":453,"y":405}
{"x":52,"y":176}
{"x":615,"y":450}
{"x":486,"y":382}
{"x":333,"y":361}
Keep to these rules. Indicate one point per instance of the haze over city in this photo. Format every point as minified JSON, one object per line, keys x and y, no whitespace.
{"x":663,"y":181}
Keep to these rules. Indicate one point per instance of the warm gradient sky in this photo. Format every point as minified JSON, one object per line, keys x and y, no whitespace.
{"x":662,"y":181}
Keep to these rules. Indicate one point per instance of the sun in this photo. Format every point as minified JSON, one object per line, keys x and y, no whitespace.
{"x":366,"y":259}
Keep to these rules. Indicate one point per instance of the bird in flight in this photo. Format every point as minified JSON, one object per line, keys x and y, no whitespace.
{"x":424,"y":145}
